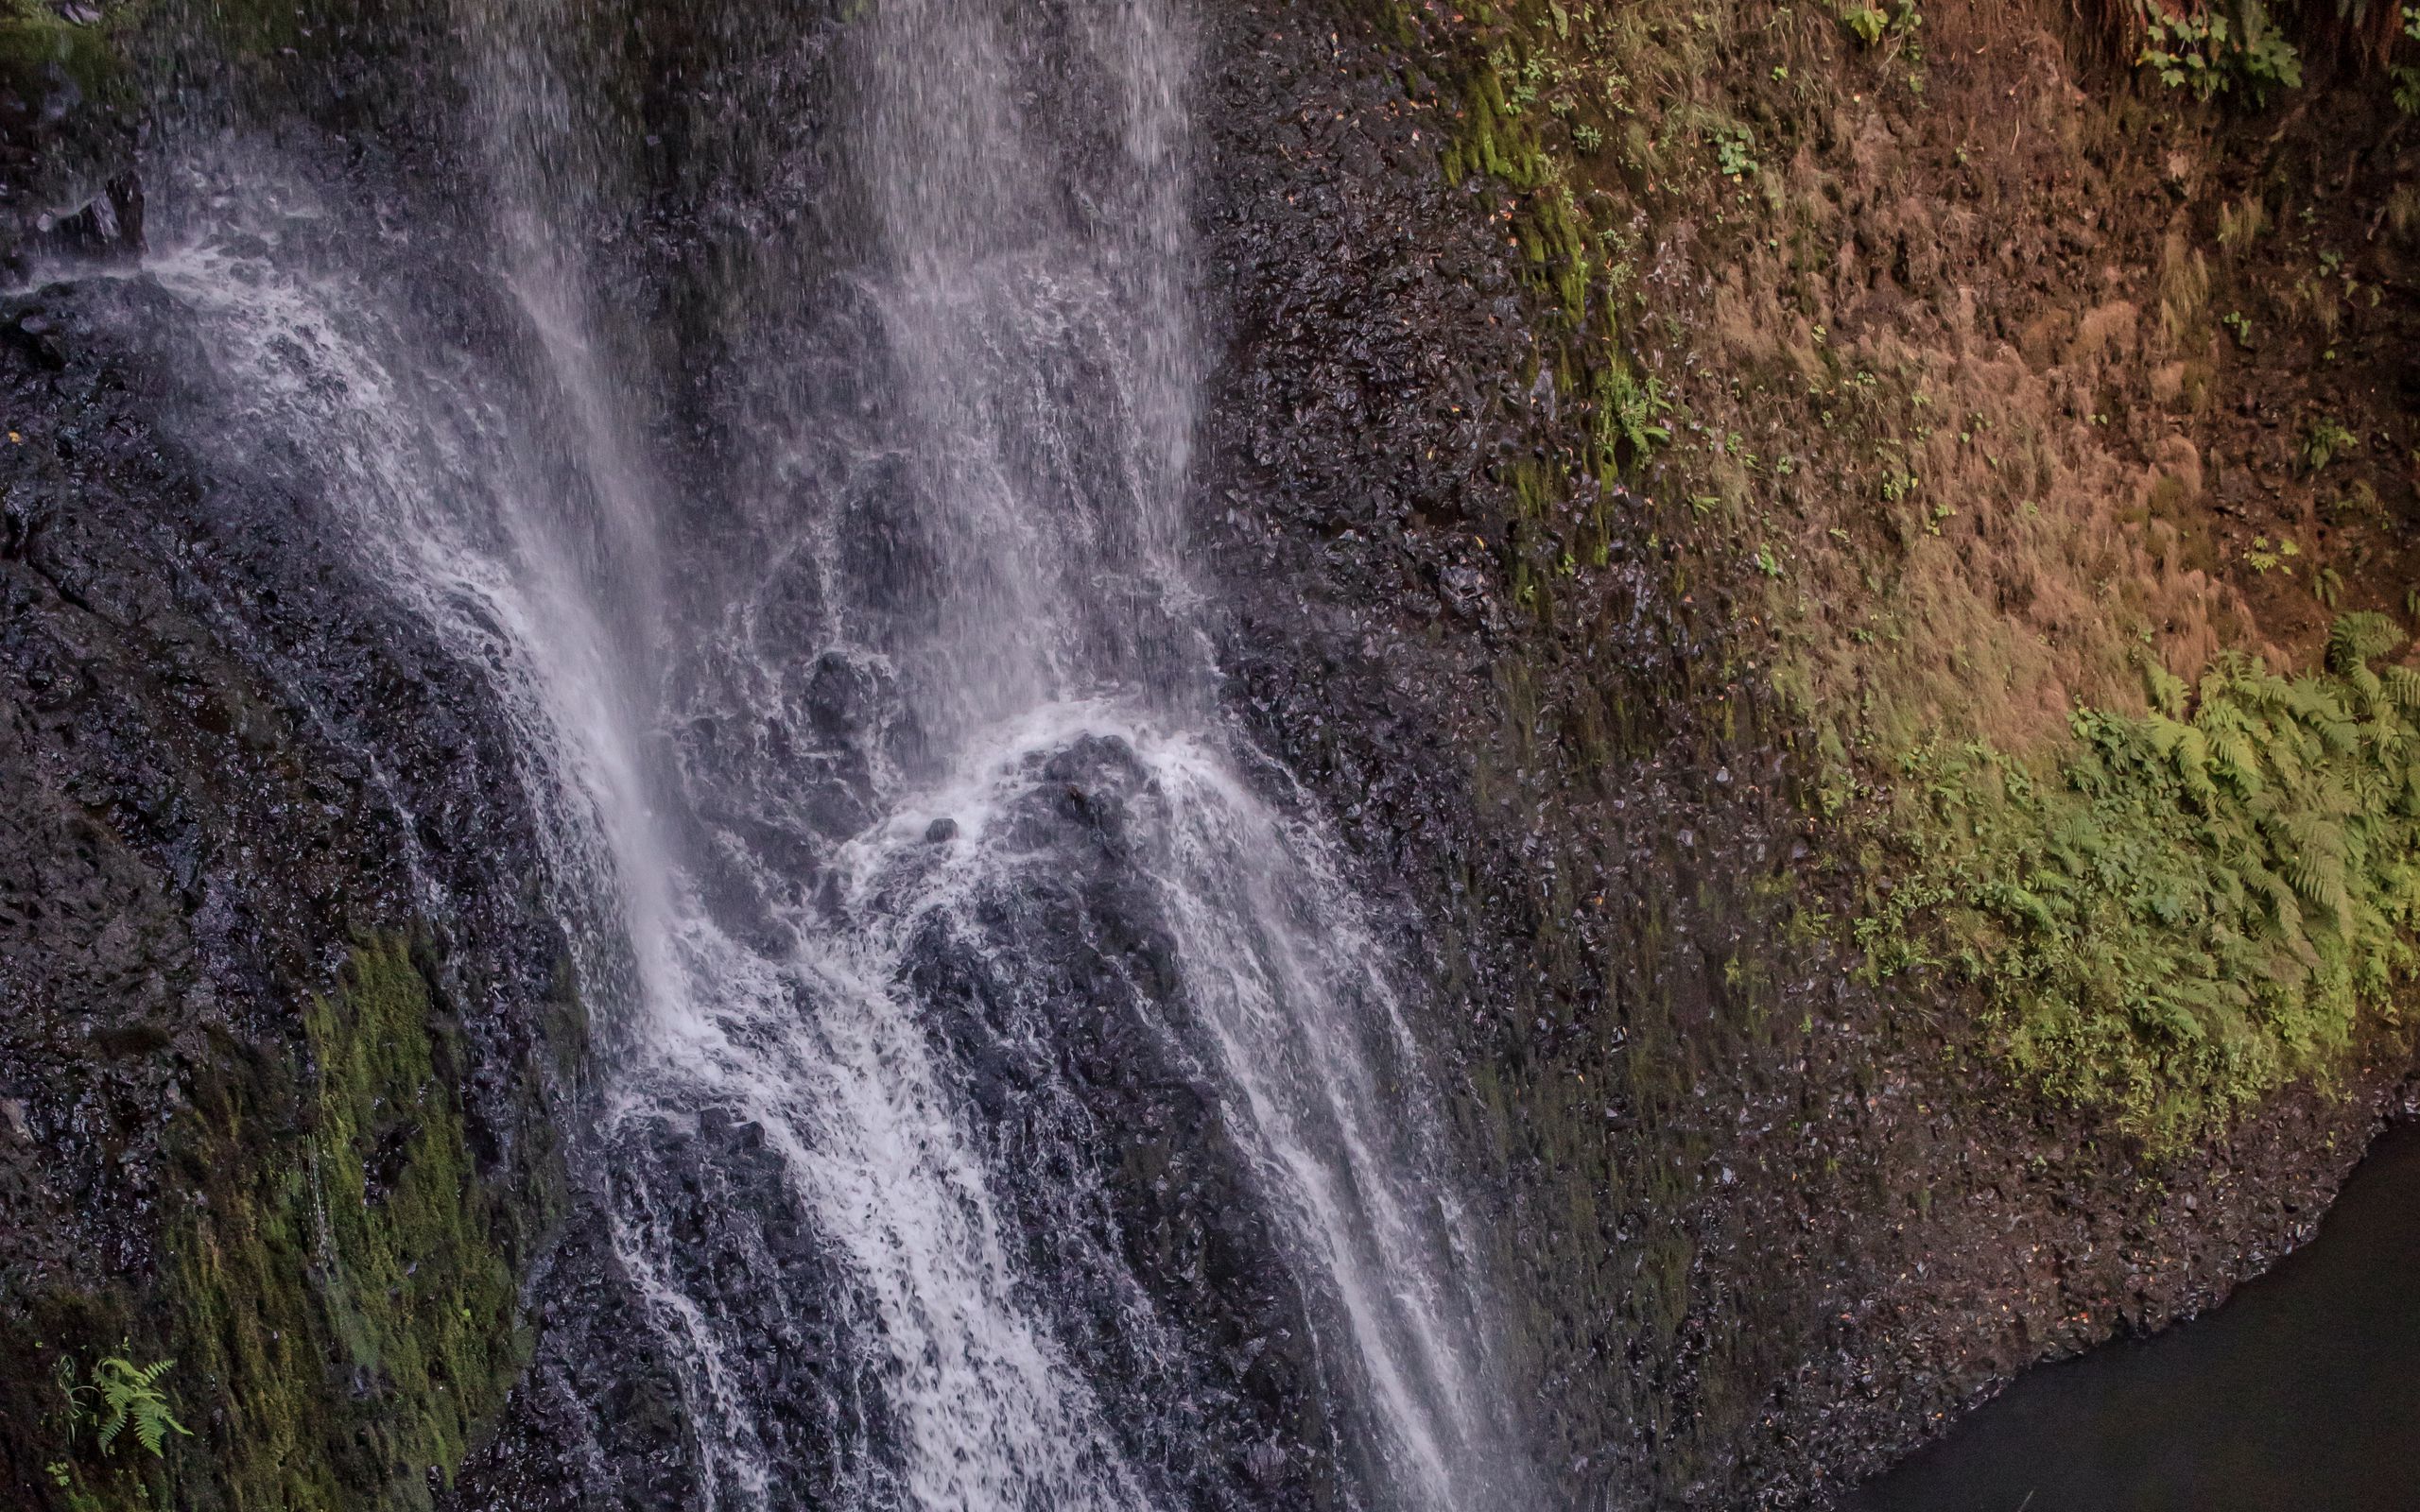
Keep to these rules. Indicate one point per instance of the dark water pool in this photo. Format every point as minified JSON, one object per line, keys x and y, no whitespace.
{"x":2302,"y":1393}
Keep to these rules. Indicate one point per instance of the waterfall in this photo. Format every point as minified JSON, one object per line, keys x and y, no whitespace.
{"x":876,"y":740}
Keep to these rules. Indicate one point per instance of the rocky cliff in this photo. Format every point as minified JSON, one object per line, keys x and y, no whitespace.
{"x":1686,"y":482}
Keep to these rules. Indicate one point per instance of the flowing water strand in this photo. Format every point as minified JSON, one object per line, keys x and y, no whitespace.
{"x":1294,"y":993}
{"x":817,"y":1051}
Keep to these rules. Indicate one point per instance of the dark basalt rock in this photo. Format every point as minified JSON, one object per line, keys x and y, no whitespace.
{"x":222,"y":766}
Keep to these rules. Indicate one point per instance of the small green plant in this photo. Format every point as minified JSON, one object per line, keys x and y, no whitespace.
{"x":2406,"y":78}
{"x":2201,"y":49}
{"x":1870,"y":23}
{"x":1630,"y":412}
{"x":2326,"y":442}
{"x":1767,"y":563}
{"x":119,"y":1395}
{"x":1734,"y":151}
{"x":2239,"y":326}
{"x":1587,"y":138}
{"x":2359,"y":503}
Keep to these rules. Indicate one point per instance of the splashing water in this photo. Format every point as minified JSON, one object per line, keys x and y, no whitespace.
{"x":888,"y":711}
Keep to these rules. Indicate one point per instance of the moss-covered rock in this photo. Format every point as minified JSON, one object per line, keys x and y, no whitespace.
{"x":339,"y":1290}
{"x":310,"y":1172}
{"x":332,"y":1291}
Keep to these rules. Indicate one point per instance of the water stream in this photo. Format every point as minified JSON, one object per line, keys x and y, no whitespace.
{"x":875,"y":738}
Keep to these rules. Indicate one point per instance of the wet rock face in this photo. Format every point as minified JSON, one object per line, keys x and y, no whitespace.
{"x":220,"y":766}
{"x":1764,"y":1228}
{"x":1052,"y":999}
{"x":1056,"y":996}
{"x":598,"y":1420}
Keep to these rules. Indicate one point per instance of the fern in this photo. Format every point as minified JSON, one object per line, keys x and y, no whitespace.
{"x":2191,"y":755}
{"x":2403,"y":686}
{"x":124,"y":1395}
{"x":2354,"y":639}
{"x":2236,"y":761}
{"x":2167,"y":690}
{"x":2199,"y":903}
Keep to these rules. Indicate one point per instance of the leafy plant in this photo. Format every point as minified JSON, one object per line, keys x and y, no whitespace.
{"x":2406,"y":78}
{"x":1869,"y":22}
{"x":121,"y":1395}
{"x":2328,"y":441}
{"x":2196,"y":903}
{"x":1734,"y":151}
{"x":2201,"y":49}
{"x":1629,"y":412}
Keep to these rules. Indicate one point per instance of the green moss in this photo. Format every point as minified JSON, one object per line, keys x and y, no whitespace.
{"x":35,"y":40}
{"x":2190,"y":907}
{"x":338,"y":1292}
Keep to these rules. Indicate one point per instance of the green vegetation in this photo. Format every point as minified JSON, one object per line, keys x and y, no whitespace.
{"x":335,"y":1275}
{"x":2242,"y":49}
{"x":1872,"y":25}
{"x":98,"y":1409}
{"x":335,"y":1280}
{"x":340,"y":1292}
{"x":2326,"y":442}
{"x":2188,"y":907}
{"x":34,"y":37}
{"x":2214,"y":50}
{"x":2168,"y":914}
{"x":118,"y":1395}
{"x":2405,"y":77}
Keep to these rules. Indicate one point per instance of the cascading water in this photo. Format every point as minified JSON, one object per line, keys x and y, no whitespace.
{"x":888,"y":801}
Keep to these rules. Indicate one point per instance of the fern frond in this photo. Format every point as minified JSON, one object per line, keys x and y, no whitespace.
{"x":2369,"y":692}
{"x":2236,"y":761}
{"x":2191,"y":755}
{"x":2354,"y":639}
{"x":2266,"y":692}
{"x":2165,"y":690}
{"x":131,"y":1396}
{"x":152,"y":1424}
{"x":2284,"y":912}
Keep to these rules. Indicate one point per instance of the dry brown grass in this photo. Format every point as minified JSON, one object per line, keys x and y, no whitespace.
{"x":1962,"y":363}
